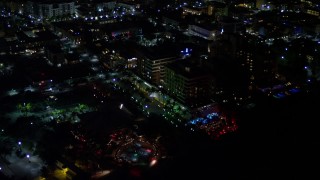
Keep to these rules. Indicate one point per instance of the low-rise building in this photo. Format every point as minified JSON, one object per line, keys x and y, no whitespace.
{"x":55,"y":54}
{"x":204,"y":31}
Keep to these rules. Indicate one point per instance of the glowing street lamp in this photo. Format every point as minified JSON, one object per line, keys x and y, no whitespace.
{"x":153,"y":162}
{"x":19,"y":144}
{"x":28,"y":157}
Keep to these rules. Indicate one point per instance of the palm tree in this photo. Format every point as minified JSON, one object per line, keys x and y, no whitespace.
{"x":25,"y":108}
{"x":81,"y":107}
{"x":20,"y":107}
{"x":28,"y":107}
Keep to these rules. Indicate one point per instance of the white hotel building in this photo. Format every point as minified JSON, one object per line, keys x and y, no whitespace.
{"x":47,"y":9}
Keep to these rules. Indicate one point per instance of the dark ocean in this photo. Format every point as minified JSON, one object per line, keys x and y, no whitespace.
{"x":277,"y":139}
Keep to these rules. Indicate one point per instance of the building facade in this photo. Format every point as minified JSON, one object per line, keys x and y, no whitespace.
{"x":154,"y":69}
{"x":49,"y":9}
{"x":205,"y":32}
{"x":151,"y":62}
{"x":188,"y":83}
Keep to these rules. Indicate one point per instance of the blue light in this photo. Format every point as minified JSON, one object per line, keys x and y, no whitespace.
{"x":212,"y":115}
{"x":209,"y":118}
{"x":195,"y":121}
{"x":294,"y":90}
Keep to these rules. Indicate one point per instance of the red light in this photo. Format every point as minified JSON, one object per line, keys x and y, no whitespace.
{"x":135,"y":172}
{"x":149,"y":150}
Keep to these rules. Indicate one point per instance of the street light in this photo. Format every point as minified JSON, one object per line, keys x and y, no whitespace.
{"x":19,"y":143}
{"x":28,"y":156}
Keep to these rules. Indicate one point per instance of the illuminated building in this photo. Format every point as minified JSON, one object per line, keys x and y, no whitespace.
{"x":73,"y":30}
{"x":204,"y":31}
{"x":314,"y":12}
{"x":30,"y":41}
{"x":15,"y":5}
{"x":152,"y":61}
{"x":48,"y":9}
{"x":188,"y":83}
{"x":130,"y":7}
{"x":213,"y":8}
{"x":194,"y":10}
{"x":247,"y":62}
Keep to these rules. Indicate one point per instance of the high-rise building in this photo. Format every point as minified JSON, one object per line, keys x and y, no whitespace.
{"x":47,"y":9}
{"x":14,"y":5}
{"x":188,"y":83}
{"x":152,"y":61}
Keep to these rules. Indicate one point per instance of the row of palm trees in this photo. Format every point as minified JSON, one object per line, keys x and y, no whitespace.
{"x":25,"y":108}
